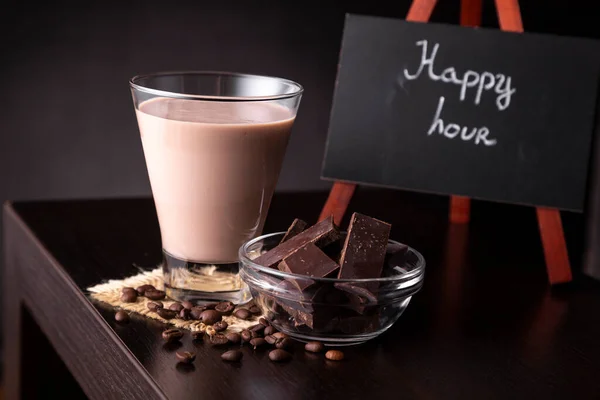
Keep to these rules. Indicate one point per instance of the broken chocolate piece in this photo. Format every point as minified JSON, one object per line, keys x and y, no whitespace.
{"x":297,"y":226}
{"x":364,"y":249}
{"x":309,"y":261}
{"x":320,"y":234}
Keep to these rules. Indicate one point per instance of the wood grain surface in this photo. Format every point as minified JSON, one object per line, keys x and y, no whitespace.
{"x":485,"y":324}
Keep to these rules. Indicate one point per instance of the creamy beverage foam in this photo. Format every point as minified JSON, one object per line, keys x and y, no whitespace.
{"x":213,"y":167}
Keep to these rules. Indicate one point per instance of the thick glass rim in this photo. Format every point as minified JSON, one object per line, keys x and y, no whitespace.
{"x":417,"y":272}
{"x":164,"y":93}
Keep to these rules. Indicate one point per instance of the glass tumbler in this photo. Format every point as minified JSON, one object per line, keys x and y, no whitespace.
{"x":214,"y":143}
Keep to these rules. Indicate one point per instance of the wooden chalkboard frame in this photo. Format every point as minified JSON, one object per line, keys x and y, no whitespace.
{"x":549,"y":220}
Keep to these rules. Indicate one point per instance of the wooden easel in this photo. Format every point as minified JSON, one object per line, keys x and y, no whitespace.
{"x":551,"y":230}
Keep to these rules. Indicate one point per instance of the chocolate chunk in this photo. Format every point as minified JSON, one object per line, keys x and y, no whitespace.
{"x":309,"y":261}
{"x":297,"y":227}
{"x":364,"y":249}
{"x":320,"y":234}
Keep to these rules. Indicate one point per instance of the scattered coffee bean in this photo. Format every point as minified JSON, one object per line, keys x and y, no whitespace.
{"x":285,"y":343}
{"x":186,"y":356}
{"x":255,"y":310}
{"x":258,"y":342}
{"x":141,"y":290}
{"x":232,"y":355}
{"x":172,"y":335}
{"x":264,"y":322}
{"x":269,"y":330}
{"x":220,"y":326}
{"x":154,"y":305}
{"x":121,"y":316}
{"x":246,"y":335}
{"x":209,"y":317}
{"x":225,"y":308}
{"x":279,"y":335}
{"x":184,"y":314}
{"x":176,"y":307}
{"x":128,"y":289}
{"x":279,"y":355}
{"x":210,"y":306}
{"x":218,"y":339}
{"x":258,"y":328}
{"x":129,"y":297}
{"x":197,"y":335}
{"x":242,"y":313}
{"x":233,"y":337}
{"x":155,"y":294}
{"x":255,"y":334}
{"x":270,"y":339}
{"x":196,"y":313}
{"x":314,"y":347}
{"x":187,"y":304}
{"x":334,"y":355}
{"x":166,"y":314}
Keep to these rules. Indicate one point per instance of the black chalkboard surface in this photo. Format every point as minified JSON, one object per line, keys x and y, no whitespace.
{"x":474,"y":112}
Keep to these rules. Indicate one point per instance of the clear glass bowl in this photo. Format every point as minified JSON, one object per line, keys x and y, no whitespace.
{"x":334,"y":311}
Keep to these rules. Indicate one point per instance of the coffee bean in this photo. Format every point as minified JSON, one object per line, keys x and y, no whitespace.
{"x":314,"y":347}
{"x":232,"y":355}
{"x":176,"y":307}
{"x":255,"y":310}
{"x":154,"y":305}
{"x":242,"y":313}
{"x":270,"y":339}
{"x":121,"y":316}
{"x":258,"y":328}
{"x":279,"y":355}
{"x":233,"y":337}
{"x":129,"y":297}
{"x":269,"y":330}
{"x":225,"y":308}
{"x":258,"y":342}
{"x":187,"y":304}
{"x":246,"y":335}
{"x":196,"y":313}
{"x":255,"y":334}
{"x":285,"y":343}
{"x":209,"y":317}
{"x":166,"y":314}
{"x":279,"y":335}
{"x":264,"y":322}
{"x":141,"y":290}
{"x":218,"y":339}
{"x":172,"y":335}
{"x":334,"y":355}
{"x":220,"y":326}
{"x":210,"y":306}
{"x":184,"y":314}
{"x":128,"y":289}
{"x":155,"y":294}
{"x":197,"y":335}
{"x":186,"y":356}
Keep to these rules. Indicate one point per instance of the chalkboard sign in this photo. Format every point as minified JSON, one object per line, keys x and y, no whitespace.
{"x":465,"y":111}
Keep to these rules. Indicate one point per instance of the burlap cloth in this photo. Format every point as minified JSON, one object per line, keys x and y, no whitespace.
{"x":110,"y":293}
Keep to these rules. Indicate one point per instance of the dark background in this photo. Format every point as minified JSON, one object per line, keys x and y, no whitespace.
{"x":67,"y":126}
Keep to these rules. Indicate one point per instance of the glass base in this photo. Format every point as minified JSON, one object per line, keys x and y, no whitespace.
{"x":203,"y":283}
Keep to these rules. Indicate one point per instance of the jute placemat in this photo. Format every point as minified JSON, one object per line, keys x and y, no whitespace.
{"x":110,"y":293}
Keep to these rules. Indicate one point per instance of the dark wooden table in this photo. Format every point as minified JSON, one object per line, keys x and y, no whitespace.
{"x":485,"y":325}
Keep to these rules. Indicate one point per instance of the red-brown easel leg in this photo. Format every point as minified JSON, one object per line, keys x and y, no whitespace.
{"x":341,"y":193}
{"x":551,"y":230}
{"x":337,"y":202}
{"x":460,"y":207}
